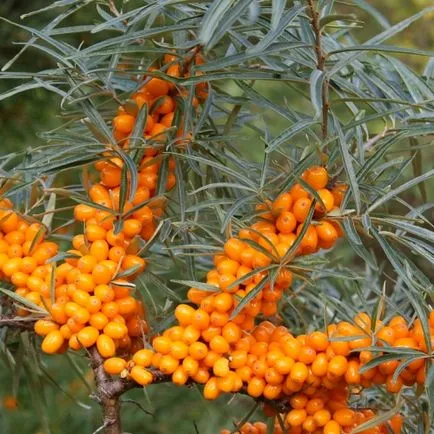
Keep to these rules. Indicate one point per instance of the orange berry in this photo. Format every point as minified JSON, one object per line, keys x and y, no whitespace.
{"x":52,"y":342}
{"x":88,"y":336}
{"x":115,"y":330}
{"x":316,"y":177}
{"x":344,"y":417}
{"x":286,"y":222}
{"x":327,"y":201}
{"x":233,"y":248}
{"x":124,"y":123}
{"x":337,"y":366}
{"x":301,"y":208}
{"x":256,"y":387}
{"x":296,"y":417}
{"x":114,"y":365}
{"x":141,"y":375}
{"x":105,"y":345}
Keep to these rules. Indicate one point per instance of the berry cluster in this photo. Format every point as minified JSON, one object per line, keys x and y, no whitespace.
{"x":94,"y":303}
{"x":23,"y":256}
{"x":201,"y":346}
{"x":161,"y":98}
{"x":323,"y":413}
{"x":93,"y":290}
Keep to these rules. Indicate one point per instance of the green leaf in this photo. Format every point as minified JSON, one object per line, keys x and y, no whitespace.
{"x":430,"y":388}
{"x":396,"y":191}
{"x":316,"y":90}
{"x":199,"y":285}
{"x":348,"y":165}
{"x":324,"y":21}
{"x":219,"y":18}
{"x":273,"y":34}
{"x":250,"y":296}
{"x":387,"y":34}
{"x":22,"y":300}
{"x":290,"y":132}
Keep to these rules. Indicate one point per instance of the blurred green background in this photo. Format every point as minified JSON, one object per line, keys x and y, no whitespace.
{"x":63,"y":406}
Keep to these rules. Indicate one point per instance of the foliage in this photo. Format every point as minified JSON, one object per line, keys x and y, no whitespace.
{"x":280,"y":100}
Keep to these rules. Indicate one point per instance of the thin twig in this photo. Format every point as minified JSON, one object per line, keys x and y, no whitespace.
{"x":321,"y":58}
{"x":18,"y":323}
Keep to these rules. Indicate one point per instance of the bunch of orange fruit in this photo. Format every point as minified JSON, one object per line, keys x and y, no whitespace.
{"x":94,"y":302}
{"x":23,"y":255}
{"x":325,"y":412}
{"x":161,"y":98}
{"x":206,"y":333}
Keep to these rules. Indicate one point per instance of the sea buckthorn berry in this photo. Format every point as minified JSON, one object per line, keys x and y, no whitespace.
{"x":105,"y":345}
{"x":141,"y":375}
{"x":162,"y":344}
{"x":95,"y":232}
{"x":332,"y":427}
{"x":316,"y":177}
{"x":327,"y":201}
{"x":184,"y":314}
{"x":281,"y":204}
{"x":286,"y":222}
{"x":198,"y":350}
{"x":344,"y":417}
{"x":296,"y":417}
{"x":301,"y":208}
{"x":337,"y":366}
{"x":43,"y":327}
{"x":88,"y":336}
{"x":124,"y":123}
{"x":219,"y":344}
{"x":339,"y":191}
{"x":114,"y":365}
{"x":179,"y":350}
{"x":233,"y":248}
{"x":168,"y":364}
{"x":143,"y":357}
{"x":115,"y":330}
{"x":298,"y":192}
{"x":98,"y":320}
{"x":299,"y":372}
{"x":52,"y":342}
{"x":326,"y":232}
{"x":99,"y":250}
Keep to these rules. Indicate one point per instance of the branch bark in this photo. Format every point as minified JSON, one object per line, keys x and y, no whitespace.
{"x":108,"y":391}
{"x":321,"y":58}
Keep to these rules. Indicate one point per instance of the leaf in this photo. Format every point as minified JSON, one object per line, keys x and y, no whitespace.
{"x":417,"y":166}
{"x":290,"y":132}
{"x":219,"y":18}
{"x":250,"y":296}
{"x":324,"y":21}
{"x":51,"y":206}
{"x":161,"y":286}
{"x":348,"y":165}
{"x":316,"y":90}
{"x":380,"y":18}
{"x":34,"y":307}
{"x":430,"y":388}
{"x":273,"y":34}
{"x":388,"y":33}
{"x":199,"y":285}
{"x":382,"y":49}
{"x":396,"y":191}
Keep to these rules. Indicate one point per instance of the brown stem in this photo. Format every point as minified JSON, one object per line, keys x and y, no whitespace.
{"x":107,"y":395}
{"x":321,"y":58}
{"x":17,"y":323}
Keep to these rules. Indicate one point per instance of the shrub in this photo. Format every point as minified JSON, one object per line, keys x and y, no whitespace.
{"x":180,"y":223}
